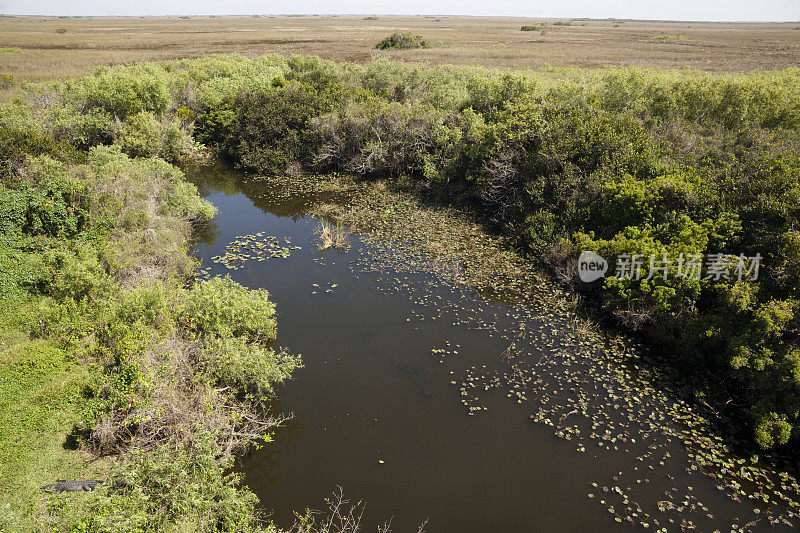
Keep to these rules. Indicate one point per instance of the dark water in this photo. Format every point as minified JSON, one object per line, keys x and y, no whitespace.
{"x":377,"y":414}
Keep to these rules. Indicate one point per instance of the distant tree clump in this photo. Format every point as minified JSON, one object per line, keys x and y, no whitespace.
{"x":534,"y":27}
{"x":670,"y":38}
{"x":61,"y":30}
{"x":371,"y":17}
{"x":403,"y":41}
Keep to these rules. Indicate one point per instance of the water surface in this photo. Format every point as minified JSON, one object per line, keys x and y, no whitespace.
{"x":376,"y":413}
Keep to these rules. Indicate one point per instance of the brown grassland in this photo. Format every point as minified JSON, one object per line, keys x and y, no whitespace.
{"x":36,"y":48}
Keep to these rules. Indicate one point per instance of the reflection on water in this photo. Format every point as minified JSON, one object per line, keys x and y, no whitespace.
{"x":378,"y":407}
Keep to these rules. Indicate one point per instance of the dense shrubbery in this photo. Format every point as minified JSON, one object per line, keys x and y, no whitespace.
{"x":161,"y":490}
{"x":269,"y":128}
{"x":93,"y":250}
{"x":617,"y":161}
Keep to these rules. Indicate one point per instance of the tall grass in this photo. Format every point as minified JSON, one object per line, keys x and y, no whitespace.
{"x":332,"y":236}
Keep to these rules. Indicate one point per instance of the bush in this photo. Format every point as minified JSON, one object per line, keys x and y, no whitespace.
{"x":268,"y":131}
{"x":145,"y":136}
{"x":82,"y":130}
{"x":6,"y":81}
{"x":164,"y":489}
{"x":122,"y":92}
{"x":376,"y":137}
{"x":402,"y":41}
{"x":220,"y":307}
{"x":21,"y":138}
{"x":246,"y":366}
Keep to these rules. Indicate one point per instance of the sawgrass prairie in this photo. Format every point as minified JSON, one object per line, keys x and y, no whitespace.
{"x":36,"y":48}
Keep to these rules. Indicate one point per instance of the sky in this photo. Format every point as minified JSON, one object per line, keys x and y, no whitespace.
{"x":716,"y":10}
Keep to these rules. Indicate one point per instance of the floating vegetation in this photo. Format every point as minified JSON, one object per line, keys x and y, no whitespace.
{"x":446,"y":352}
{"x":600,"y":392}
{"x":254,"y":247}
{"x":596,"y":390}
{"x":324,"y":288}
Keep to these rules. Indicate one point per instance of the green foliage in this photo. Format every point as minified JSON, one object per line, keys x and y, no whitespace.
{"x":92,"y":264}
{"x":145,"y":136}
{"x":390,"y":138}
{"x":213,"y":127}
{"x":21,"y":137}
{"x":6,"y":81}
{"x":268,"y":130}
{"x":81,"y":129}
{"x":122,"y":92}
{"x":222,"y":308}
{"x":246,"y":366}
{"x":164,"y":489}
{"x":46,"y":211}
{"x":403,"y":41}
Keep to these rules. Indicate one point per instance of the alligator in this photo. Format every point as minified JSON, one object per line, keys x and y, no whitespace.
{"x":74,"y":485}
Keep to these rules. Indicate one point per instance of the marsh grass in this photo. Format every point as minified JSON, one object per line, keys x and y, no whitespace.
{"x":44,"y":54}
{"x":332,"y":236}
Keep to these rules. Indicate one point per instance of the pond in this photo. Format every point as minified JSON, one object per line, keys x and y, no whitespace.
{"x":381,"y":409}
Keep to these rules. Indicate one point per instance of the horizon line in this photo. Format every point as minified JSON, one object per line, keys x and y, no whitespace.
{"x":252,"y":15}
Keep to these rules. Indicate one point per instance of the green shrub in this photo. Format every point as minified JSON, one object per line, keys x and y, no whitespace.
{"x":268,"y":130}
{"x":145,"y":136}
{"x":6,"y":81}
{"x":220,"y":307}
{"x":164,"y":489}
{"x":122,"y":92}
{"x":376,"y":137}
{"x":246,"y":366}
{"x":403,"y":41}
{"x":21,"y":138}
{"x":213,"y":127}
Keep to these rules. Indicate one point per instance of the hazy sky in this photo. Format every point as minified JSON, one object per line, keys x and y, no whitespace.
{"x":780,"y":10}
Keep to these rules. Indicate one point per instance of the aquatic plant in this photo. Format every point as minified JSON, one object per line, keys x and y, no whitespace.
{"x":332,"y":236}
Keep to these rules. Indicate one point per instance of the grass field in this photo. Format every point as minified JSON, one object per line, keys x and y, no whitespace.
{"x":36,"y":48}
